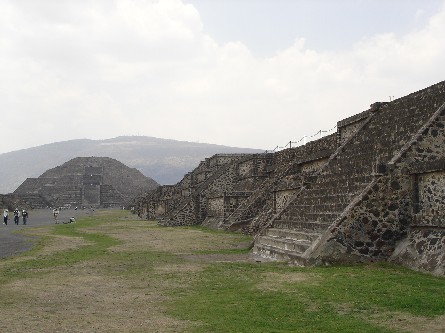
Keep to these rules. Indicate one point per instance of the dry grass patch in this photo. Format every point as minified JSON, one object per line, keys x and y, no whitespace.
{"x":59,"y":243}
{"x":85,"y":299}
{"x":403,"y":322}
{"x":142,"y":235}
{"x":273,"y":281}
{"x":218,"y":257}
{"x":397,"y":321}
{"x":179,"y":268}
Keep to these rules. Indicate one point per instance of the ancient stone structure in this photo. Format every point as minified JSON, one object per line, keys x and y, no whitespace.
{"x":375,"y":190}
{"x":11,"y":202}
{"x":86,"y":181}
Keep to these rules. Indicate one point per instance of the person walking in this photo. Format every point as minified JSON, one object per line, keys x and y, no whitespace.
{"x":5,"y":216}
{"x":16,"y":216}
{"x":56,"y":215}
{"x":24,"y":216}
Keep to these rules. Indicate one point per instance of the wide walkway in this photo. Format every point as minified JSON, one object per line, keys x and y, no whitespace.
{"x":12,"y":243}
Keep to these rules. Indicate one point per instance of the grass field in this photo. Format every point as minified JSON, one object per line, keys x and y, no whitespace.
{"x":115,"y":273}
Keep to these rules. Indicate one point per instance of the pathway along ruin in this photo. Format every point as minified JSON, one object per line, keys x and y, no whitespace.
{"x":13,"y":243}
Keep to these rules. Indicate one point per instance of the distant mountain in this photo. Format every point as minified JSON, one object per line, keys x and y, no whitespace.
{"x":165,"y":161}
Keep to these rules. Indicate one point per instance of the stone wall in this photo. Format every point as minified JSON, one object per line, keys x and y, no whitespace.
{"x":312,"y":166}
{"x":215,"y":207}
{"x":431,"y":208}
{"x":396,"y":216}
{"x":257,"y":166}
{"x":282,"y":197}
{"x":11,"y":202}
{"x":187,"y":202}
{"x":348,"y":126}
{"x":423,"y":248}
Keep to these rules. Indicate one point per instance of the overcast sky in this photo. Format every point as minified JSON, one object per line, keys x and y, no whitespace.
{"x":245,"y":73}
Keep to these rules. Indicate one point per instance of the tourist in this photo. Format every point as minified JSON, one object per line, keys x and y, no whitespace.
{"x":16,"y":216}
{"x":71,"y":220}
{"x":24,"y":216}
{"x":5,"y":216}
{"x":56,"y":215}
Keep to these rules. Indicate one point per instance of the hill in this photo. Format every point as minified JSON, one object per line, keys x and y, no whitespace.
{"x":165,"y":161}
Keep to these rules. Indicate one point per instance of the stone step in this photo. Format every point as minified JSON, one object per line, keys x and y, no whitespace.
{"x":292,"y":234}
{"x":276,"y":254}
{"x":293,"y":245}
{"x":322,"y":217}
{"x":302,"y":225}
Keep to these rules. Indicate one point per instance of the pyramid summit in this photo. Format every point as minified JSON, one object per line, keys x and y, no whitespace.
{"x":86,"y":181}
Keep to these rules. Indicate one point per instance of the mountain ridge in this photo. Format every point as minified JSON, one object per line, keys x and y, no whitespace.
{"x":164,"y":160}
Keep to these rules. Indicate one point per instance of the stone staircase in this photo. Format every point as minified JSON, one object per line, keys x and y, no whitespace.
{"x":311,"y":210}
{"x":286,"y":244}
{"x":347,"y":174}
{"x":192,"y":202}
{"x":255,"y":202}
{"x":110,"y":197}
{"x":70,"y":196}
{"x":252,"y":214}
{"x":167,"y":219}
{"x":91,"y":195}
{"x":309,"y":214}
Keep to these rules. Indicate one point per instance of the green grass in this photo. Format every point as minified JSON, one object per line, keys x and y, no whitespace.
{"x":249,"y":297}
{"x":225,"y":298}
{"x":382,"y":285}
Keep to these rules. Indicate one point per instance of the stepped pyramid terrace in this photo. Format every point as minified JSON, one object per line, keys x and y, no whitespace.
{"x":85,"y":181}
{"x":372,"y":191}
